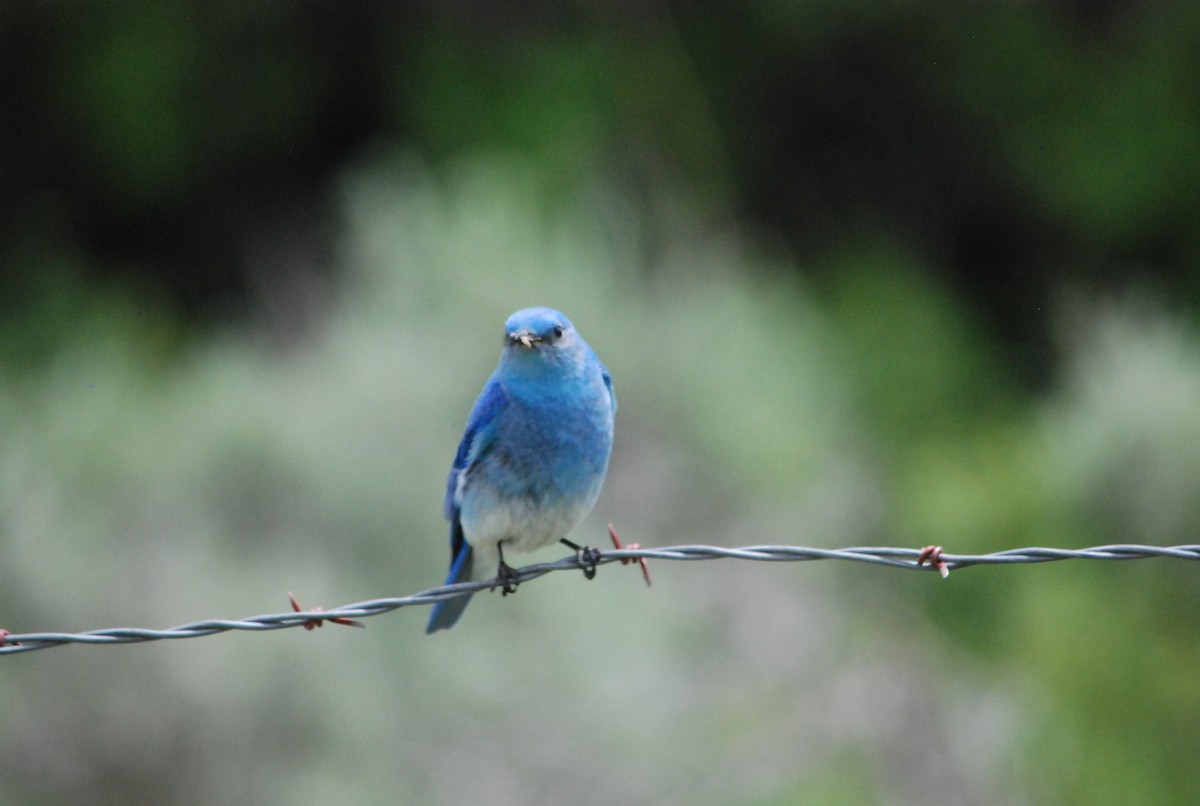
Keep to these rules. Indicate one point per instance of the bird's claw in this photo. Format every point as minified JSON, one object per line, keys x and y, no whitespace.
{"x":612,"y":533}
{"x":933,"y":555}
{"x":587,"y":557}
{"x":507,"y":578}
{"x":4,"y":638}
{"x":317,"y":622}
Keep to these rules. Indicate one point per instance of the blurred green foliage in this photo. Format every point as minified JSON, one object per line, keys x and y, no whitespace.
{"x":1007,"y":147}
{"x":864,"y":274}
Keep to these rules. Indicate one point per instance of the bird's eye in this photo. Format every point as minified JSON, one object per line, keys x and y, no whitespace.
{"x":558,"y":331}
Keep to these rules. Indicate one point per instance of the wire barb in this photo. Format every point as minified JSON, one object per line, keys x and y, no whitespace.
{"x":612,"y":533}
{"x":911,"y":559}
{"x":317,"y":622}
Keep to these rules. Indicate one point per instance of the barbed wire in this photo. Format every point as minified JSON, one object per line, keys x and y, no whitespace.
{"x":906,"y":558}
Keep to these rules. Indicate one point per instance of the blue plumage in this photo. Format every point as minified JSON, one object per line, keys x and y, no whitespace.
{"x":534,"y":454}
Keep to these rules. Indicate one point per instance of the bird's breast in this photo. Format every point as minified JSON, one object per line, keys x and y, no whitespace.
{"x":540,"y":476}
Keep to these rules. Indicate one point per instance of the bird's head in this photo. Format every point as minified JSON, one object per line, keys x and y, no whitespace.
{"x":537,"y":329}
{"x":540,"y":340}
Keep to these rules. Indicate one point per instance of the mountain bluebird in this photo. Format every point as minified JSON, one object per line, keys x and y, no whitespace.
{"x":533,"y":457}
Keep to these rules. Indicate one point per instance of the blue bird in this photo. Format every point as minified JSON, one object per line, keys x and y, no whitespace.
{"x":533,"y":457}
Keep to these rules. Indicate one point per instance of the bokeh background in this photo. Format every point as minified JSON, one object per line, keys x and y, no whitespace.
{"x":867,"y":273}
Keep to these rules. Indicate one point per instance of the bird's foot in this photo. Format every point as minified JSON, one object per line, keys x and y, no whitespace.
{"x":586,"y":556}
{"x":507,"y":578}
{"x":933,"y":555}
{"x":612,"y":533}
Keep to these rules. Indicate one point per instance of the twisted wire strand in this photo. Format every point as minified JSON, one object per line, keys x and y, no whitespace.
{"x":14,"y":643}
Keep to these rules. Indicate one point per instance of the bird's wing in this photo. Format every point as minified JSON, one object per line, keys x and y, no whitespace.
{"x":479,"y":436}
{"x":608,"y":385}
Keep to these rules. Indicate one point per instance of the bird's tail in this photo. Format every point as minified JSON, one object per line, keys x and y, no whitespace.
{"x":446,"y":612}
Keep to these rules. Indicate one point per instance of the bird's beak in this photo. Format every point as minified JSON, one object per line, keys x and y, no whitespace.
{"x":525,"y":338}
